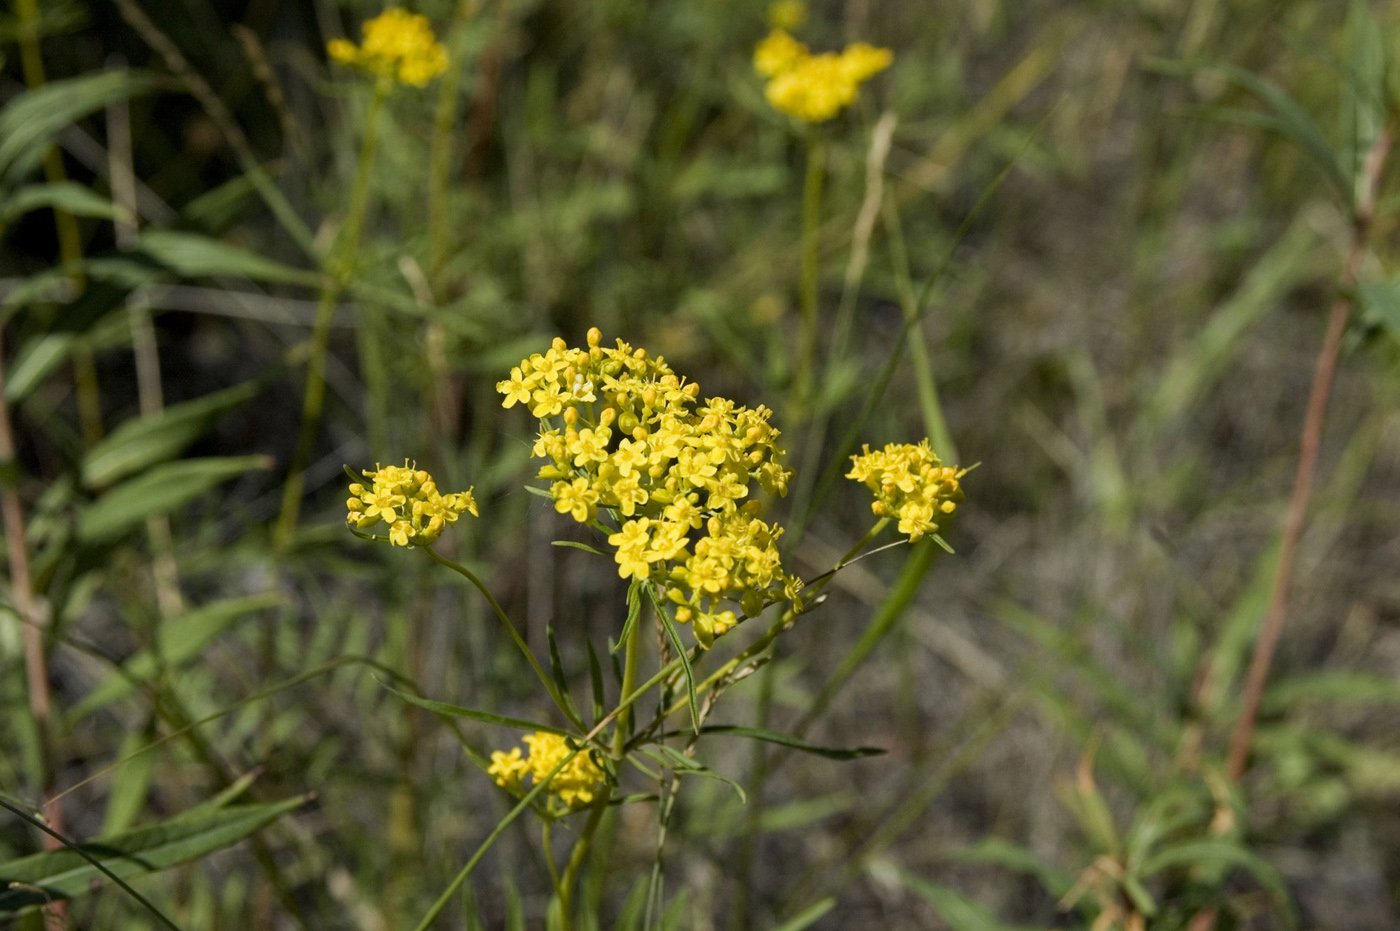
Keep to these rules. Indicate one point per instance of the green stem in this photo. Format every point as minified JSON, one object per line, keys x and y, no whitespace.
{"x":627,"y":702}
{"x":811,"y":268}
{"x":512,"y":630}
{"x":579,"y":855}
{"x":935,"y":424}
{"x":338,"y":266}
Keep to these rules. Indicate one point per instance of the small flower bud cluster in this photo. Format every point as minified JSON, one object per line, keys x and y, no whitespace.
{"x":573,"y":787}
{"x":407,"y":499}
{"x":398,"y":45}
{"x":814,"y":88}
{"x":677,"y":475}
{"x":910,"y":483}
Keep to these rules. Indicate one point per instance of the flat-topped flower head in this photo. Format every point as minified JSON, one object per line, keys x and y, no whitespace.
{"x":815,"y":88}
{"x":631,"y":449}
{"x":398,"y":45}
{"x":406,"y":500}
{"x":575,"y":786}
{"x":910,"y":484}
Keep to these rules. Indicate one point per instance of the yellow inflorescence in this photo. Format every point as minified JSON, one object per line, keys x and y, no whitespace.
{"x":406,"y":499}
{"x":911,"y":484}
{"x":398,"y":45}
{"x":573,"y":787}
{"x":622,"y":432}
{"x":814,"y":88}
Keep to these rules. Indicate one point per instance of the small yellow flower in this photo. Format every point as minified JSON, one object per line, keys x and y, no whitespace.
{"x":911,"y":484}
{"x":407,"y":499}
{"x":777,"y":53}
{"x":575,"y":786}
{"x":397,"y":45}
{"x":815,"y":88}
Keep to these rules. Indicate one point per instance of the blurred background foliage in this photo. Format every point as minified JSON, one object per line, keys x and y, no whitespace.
{"x":1129,"y":251}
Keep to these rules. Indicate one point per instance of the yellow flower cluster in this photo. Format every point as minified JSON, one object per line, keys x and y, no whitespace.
{"x":407,"y":499}
{"x":573,"y":787}
{"x":398,"y":45}
{"x":676,"y":475}
{"x":910,"y":483}
{"x":814,"y":88}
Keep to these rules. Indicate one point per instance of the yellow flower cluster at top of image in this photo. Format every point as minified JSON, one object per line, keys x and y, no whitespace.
{"x":814,"y":88}
{"x":397,"y":45}
{"x":573,"y":787}
{"x":406,"y":499}
{"x":621,"y":431}
{"x":910,"y":483}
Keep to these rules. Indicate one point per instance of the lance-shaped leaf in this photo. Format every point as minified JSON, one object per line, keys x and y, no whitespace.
{"x":191,"y":255}
{"x":29,"y":122}
{"x":785,"y":740}
{"x":158,"y":491}
{"x":148,"y":440}
{"x":68,"y":873}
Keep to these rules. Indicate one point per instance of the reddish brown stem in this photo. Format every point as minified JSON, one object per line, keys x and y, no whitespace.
{"x":1323,"y":377}
{"x":27,"y":607}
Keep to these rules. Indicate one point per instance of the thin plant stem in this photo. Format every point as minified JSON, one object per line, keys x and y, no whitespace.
{"x":935,"y":424}
{"x":1324,"y":374}
{"x":70,"y":247}
{"x":810,"y":275}
{"x":32,"y":625}
{"x":512,"y":631}
{"x":165,"y":571}
{"x":339,"y":266}
{"x":579,"y":855}
{"x":626,"y":702}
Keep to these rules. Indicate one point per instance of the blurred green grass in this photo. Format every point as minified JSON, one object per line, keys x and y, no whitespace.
{"x":1123,"y":339}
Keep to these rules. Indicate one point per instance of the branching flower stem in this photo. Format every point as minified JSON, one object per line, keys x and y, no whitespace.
{"x":511,"y":630}
{"x":565,"y":886}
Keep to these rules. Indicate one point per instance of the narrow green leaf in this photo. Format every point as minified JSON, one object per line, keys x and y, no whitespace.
{"x":678,"y":762}
{"x":957,"y":910}
{"x":457,"y":711}
{"x":159,"y":490}
{"x":30,"y":121}
{"x":679,"y":648}
{"x":808,"y":916}
{"x":37,"y":359}
{"x":1380,"y":305}
{"x":634,"y":612}
{"x":65,"y":874}
{"x":144,"y":441}
{"x":1019,"y":859}
{"x":755,"y":733}
{"x":595,"y":678}
{"x":576,"y":545}
{"x":181,"y":639}
{"x":191,"y":255}
{"x":61,"y":195}
{"x":1223,"y":853}
{"x":556,"y":672}
{"x":1289,"y":118}
{"x":131,"y":783}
